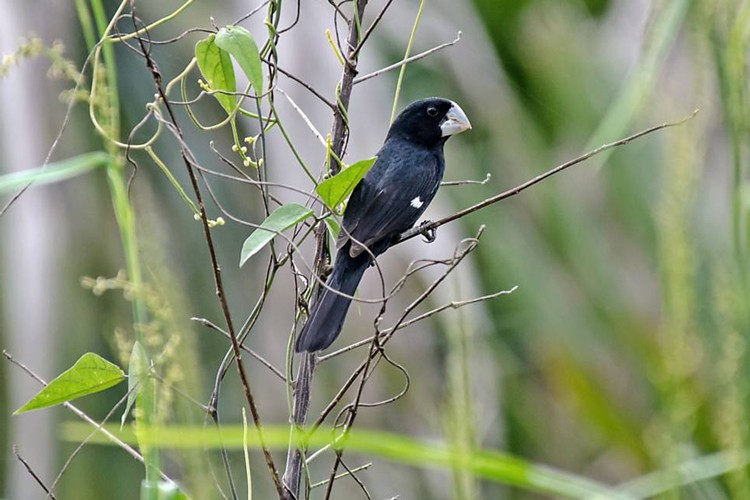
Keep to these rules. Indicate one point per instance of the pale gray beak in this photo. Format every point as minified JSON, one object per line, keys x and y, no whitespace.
{"x":455,"y":121}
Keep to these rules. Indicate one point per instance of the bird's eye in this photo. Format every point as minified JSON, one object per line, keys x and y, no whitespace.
{"x":432,"y":111}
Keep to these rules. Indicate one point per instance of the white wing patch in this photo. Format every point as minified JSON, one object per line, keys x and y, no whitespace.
{"x":416,"y":202}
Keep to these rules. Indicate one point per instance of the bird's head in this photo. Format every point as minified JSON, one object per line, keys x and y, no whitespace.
{"x":430,"y":122}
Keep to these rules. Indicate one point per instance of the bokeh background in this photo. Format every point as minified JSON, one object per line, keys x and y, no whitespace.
{"x":622,"y":352}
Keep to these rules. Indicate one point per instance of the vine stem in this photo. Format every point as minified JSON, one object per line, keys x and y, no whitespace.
{"x":340,"y":126}
{"x":340,"y":130}
{"x":218,"y":282}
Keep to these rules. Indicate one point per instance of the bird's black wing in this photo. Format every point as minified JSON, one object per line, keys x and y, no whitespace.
{"x":393,"y":195}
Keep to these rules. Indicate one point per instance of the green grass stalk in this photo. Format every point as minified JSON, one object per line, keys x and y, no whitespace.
{"x":460,"y":411}
{"x":126,"y":221}
{"x":402,"y":71}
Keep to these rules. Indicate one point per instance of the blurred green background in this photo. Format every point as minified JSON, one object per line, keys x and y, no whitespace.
{"x":624,"y":349}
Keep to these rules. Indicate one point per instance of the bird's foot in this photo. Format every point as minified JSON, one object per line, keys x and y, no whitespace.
{"x":303,"y":305}
{"x":429,"y":233}
{"x":326,"y":271}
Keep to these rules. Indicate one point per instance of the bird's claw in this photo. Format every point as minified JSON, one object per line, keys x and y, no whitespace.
{"x":429,"y":233}
{"x":326,"y":271}
{"x":303,"y":305}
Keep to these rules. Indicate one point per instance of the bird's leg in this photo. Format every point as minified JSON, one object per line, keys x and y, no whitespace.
{"x":303,"y":305}
{"x":429,"y":233}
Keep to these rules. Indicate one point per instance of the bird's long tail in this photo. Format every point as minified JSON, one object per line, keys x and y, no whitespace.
{"x":328,"y":313}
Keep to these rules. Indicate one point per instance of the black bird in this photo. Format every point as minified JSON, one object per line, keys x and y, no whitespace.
{"x":388,"y":201}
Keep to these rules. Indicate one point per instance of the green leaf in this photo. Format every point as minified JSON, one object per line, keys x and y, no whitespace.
{"x":334,"y":191}
{"x":282,"y":218}
{"x":54,"y":172}
{"x":333,"y":227}
{"x":137,"y":370}
{"x":216,"y":67}
{"x":90,"y":374}
{"x":241,"y":45}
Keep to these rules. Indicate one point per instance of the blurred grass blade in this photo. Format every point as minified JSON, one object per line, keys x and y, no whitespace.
{"x":54,"y":172}
{"x":334,"y":191}
{"x":137,"y":370}
{"x":246,"y":451}
{"x":495,"y":466}
{"x":282,"y":218}
{"x":238,"y":42}
{"x":699,"y":469}
{"x":216,"y":67}
{"x":636,"y":89}
{"x":491,"y":465}
{"x":578,"y":385}
{"x":729,"y":40}
{"x":90,"y":374}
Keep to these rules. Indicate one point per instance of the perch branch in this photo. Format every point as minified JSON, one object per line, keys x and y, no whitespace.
{"x":431,"y":226}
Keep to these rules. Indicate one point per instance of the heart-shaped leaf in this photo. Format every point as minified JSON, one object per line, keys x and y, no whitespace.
{"x":334,"y":191}
{"x":282,"y":218}
{"x":90,"y":374}
{"x":216,"y":67}
{"x":238,"y":42}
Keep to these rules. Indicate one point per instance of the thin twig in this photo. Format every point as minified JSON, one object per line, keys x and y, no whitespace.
{"x":460,"y":254}
{"x":364,"y":366}
{"x":382,"y":402}
{"x":343,"y":474}
{"x":169,"y":40}
{"x":33,"y":474}
{"x":372,"y":27}
{"x":455,"y":304}
{"x":352,"y":414}
{"x":458,"y":257}
{"x":83,"y":443}
{"x":468,"y":181}
{"x":332,"y":478}
{"x":301,"y":82}
{"x":305,"y":118}
{"x":257,"y":183}
{"x":229,"y":357}
{"x":251,"y":13}
{"x":408,"y":60}
{"x":377,"y":352}
{"x":352,"y":473}
{"x":266,"y":363}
